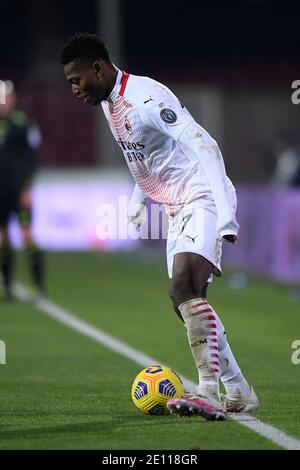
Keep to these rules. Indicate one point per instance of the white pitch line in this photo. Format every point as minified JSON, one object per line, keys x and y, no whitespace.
{"x":266,"y":430}
{"x":62,"y":315}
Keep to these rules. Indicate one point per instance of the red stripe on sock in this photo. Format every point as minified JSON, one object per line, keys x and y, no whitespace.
{"x":199,"y":305}
{"x":208,"y":317}
{"x":206,"y":310}
{"x":201,"y":312}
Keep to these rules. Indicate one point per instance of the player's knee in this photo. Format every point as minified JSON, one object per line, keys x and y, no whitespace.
{"x":180,"y":289}
{"x":203,"y":290}
{"x":27,"y":235}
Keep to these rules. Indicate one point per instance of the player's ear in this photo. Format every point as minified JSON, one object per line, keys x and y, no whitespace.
{"x":97,"y":68}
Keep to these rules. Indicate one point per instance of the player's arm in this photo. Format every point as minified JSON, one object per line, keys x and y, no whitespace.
{"x":32,"y":144}
{"x":168,"y":116}
{"x":199,"y":146}
{"x":136,"y":212}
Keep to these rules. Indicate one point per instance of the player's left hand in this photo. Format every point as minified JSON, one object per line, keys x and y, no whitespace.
{"x":230,"y":238}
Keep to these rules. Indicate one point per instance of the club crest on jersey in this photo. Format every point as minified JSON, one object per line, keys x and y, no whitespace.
{"x":168,"y":115}
{"x":128,"y":126}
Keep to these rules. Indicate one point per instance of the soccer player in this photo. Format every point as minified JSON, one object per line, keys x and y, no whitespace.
{"x":175,"y":162}
{"x":19,"y":141}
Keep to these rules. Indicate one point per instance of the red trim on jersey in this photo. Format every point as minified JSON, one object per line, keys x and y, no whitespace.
{"x":124,"y":81}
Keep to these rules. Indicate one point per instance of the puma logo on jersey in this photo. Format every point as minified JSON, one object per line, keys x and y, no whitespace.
{"x":147,"y":101}
{"x":184,"y":222}
{"x":192,"y":238}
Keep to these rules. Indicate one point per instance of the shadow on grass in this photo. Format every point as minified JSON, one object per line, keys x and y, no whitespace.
{"x":104,"y":427}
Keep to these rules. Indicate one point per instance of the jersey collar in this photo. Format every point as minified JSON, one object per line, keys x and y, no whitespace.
{"x":120,"y":85}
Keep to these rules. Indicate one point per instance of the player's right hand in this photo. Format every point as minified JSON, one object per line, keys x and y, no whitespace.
{"x":230,"y":238}
{"x":136,"y":214}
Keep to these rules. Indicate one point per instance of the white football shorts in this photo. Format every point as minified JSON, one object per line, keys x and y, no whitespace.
{"x":193,"y":229}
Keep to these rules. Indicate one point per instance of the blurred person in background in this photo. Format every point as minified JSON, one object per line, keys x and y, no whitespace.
{"x":286,"y":156}
{"x":175,"y":162}
{"x":281,"y":162}
{"x":287,"y":174}
{"x":20,"y":139}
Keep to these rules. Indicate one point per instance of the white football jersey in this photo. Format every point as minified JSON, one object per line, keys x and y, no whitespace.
{"x":147,"y":120}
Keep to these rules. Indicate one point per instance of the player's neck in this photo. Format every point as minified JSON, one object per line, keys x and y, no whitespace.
{"x":112,"y":74}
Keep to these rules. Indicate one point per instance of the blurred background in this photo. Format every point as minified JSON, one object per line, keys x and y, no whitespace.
{"x":233,"y":64}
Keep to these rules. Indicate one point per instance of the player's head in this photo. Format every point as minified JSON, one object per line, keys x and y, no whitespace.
{"x":88,"y":67}
{"x":8,"y":97}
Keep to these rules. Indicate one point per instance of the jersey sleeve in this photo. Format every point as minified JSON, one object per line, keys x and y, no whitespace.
{"x":166,"y":114}
{"x":200,"y":147}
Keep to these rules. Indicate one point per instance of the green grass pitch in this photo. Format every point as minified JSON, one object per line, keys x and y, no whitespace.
{"x":62,"y":390}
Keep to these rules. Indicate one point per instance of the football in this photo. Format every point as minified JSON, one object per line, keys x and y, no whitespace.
{"x":153,"y":387}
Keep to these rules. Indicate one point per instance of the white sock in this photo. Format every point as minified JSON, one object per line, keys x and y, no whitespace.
{"x":201,"y":327}
{"x":230,"y":373}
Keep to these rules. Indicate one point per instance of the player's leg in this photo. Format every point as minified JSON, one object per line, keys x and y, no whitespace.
{"x":207,"y":338}
{"x":190,"y":274}
{"x":34,"y":254}
{"x":191,"y":270}
{"x":240,"y":397}
{"x":205,"y":241}
{"x":6,"y":262}
{"x":6,"y":251}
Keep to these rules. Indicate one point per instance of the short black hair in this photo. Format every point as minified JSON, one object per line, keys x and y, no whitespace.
{"x":83,"y":46}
